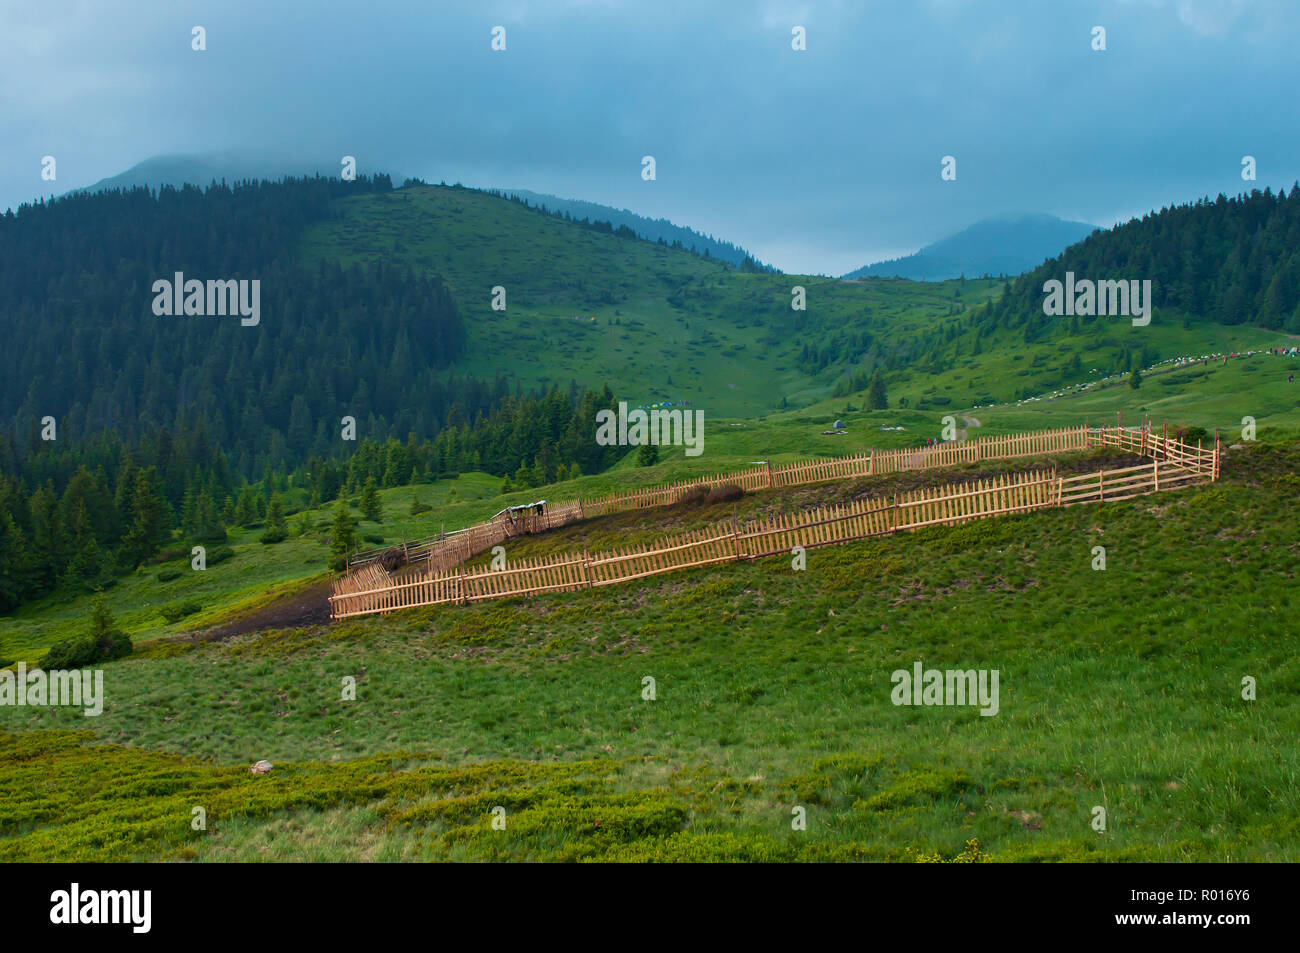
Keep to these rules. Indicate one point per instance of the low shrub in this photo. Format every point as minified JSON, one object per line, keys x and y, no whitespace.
{"x":695,"y":496}
{"x":176,"y":611}
{"x":724,"y":493}
{"x":1190,"y":435}
{"x":104,"y":643}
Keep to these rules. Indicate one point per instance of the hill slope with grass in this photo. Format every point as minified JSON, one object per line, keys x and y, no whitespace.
{"x":651,"y":229}
{"x":772,"y":691}
{"x":652,"y":321}
{"x":669,"y":325}
{"x":1213,"y":396}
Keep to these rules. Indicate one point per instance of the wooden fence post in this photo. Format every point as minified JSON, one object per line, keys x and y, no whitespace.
{"x":1155,"y":470}
{"x":735,"y":534}
{"x":871,"y":464}
{"x":586,"y":566}
{"x":768,"y":464}
{"x":460,"y":586}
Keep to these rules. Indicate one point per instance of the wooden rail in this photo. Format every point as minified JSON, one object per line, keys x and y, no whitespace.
{"x":1173,"y":465}
{"x":451,"y":549}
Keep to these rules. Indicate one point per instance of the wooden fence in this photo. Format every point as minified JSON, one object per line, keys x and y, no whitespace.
{"x":1172,"y":466}
{"x":451,"y":549}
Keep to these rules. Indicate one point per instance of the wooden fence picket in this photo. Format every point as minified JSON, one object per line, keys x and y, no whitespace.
{"x":441,"y":576}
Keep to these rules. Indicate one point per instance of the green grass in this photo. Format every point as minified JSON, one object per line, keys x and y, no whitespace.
{"x":1007,"y":366}
{"x":654,"y":322}
{"x":1213,"y":396}
{"x":667,"y":323}
{"x":1118,"y":688}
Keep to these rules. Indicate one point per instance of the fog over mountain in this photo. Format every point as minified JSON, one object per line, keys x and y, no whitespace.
{"x":817,"y":161}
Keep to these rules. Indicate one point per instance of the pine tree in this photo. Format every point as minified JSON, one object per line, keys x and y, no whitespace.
{"x":207,"y":522}
{"x":245,"y":513}
{"x":372,"y":508}
{"x":13,"y":564}
{"x":876,"y":397}
{"x":277,"y":527}
{"x":49,"y":538}
{"x":86,"y":563}
{"x":104,"y":642}
{"x":523,"y":477}
{"x":150,"y":521}
{"x":125,"y":487}
{"x":343,"y":536}
{"x":110,"y":641}
{"x":189,"y":511}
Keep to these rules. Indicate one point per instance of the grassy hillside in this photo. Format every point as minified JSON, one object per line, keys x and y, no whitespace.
{"x":668,"y":324}
{"x":1008,"y":369}
{"x":773,"y":691}
{"x":1212,"y":396}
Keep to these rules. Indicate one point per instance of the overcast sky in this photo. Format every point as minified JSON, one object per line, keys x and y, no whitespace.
{"x":817,"y":161}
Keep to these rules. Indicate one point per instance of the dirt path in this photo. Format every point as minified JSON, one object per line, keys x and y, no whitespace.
{"x":306,"y":607}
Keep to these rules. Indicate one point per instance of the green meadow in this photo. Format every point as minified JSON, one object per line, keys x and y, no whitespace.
{"x":1119,"y":688}
{"x":1210,"y":396}
{"x":651,"y":321}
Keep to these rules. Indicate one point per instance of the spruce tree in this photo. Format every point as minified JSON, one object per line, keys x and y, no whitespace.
{"x":876,"y":397}
{"x":150,"y":521}
{"x":343,"y":536}
{"x":277,"y":527}
{"x":86,"y":562}
{"x":13,"y":563}
{"x":372,"y":508}
{"x":246,"y":508}
{"x":49,"y":537}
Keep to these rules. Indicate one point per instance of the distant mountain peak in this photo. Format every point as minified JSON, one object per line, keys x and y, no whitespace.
{"x":1006,"y":244}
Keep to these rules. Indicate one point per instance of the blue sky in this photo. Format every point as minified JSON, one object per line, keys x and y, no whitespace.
{"x":817,"y":161}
